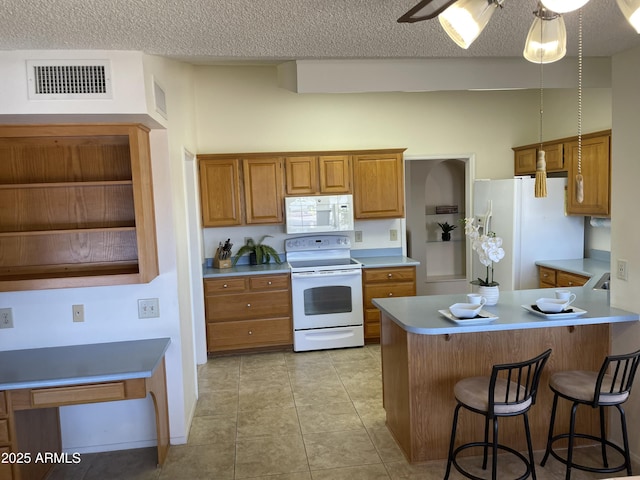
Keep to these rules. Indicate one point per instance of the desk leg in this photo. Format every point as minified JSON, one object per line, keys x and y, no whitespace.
{"x":157,"y":387}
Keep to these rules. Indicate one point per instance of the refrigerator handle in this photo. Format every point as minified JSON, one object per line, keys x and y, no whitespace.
{"x":484,"y":221}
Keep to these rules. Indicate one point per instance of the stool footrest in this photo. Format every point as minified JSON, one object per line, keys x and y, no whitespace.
{"x":584,"y":467}
{"x":467,"y":474}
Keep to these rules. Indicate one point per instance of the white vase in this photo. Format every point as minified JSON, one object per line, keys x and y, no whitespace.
{"x":490,"y":293}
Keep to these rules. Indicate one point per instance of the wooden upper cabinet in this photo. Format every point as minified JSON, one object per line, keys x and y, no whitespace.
{"x":596,"y":174}
{"x":311,"y":175}
{"x":378,"y":185}
{"x":76,"y":206}
{"x":220,"y":192}
{"x":263,"y":190}
{"x":525,"y":158}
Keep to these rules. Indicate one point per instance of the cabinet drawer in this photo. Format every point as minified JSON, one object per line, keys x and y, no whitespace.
{"x":3,"y":405}
{"x":5,"y":468}
{"x":547,"y":275}
{"x":269,"y":282}
{"x":104,"y":392}
{"x":566,"y":279}
{"x":396,"y":274}
{"x":372,"y":330}
{"x":4,"y":432}
{"x":247,"y":306}
{"x":249,"y":333}
{"x":390,"y":290}
{"x":219,"y":286}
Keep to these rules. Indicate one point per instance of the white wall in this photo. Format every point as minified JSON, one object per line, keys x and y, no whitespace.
{"x":43,"y":318}
{"x":625,"y":231}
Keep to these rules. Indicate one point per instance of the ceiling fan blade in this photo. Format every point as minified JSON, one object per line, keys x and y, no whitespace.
{"x":425,"y":10}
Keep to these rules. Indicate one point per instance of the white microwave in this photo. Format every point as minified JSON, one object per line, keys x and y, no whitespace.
{"x":322,"y":213}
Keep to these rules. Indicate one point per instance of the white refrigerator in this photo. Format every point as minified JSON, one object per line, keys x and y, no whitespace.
{"x":531,"y":228}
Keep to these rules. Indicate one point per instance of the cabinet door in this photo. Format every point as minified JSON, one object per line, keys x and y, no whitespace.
{"x":595,"y":173}
{"x":263,"y":197}
{"x":301,"y":175}
{"x":220,"y":192}
{"x":378,"y":186}
{"x":554,"y":157}
{"x":525,"y":161}
{"x":334,"y":174}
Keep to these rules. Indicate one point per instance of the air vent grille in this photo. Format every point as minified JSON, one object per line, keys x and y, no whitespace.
{"x":69,"y":79}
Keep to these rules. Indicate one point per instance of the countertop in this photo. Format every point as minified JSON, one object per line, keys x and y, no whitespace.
{"x":78,"y":364}
{"x":274,"y":268}
{"x":588,"y":267}
{"x":420,"y":314}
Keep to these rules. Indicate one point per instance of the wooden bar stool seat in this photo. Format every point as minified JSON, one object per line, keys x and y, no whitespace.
{"x":610,"y":387}
{"x":509,"y":391}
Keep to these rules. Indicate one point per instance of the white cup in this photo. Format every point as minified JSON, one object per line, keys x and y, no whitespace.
{"x":476,"y":299}
{"x":566,"y":296}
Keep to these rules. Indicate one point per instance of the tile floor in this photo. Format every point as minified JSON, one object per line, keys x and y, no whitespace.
{"x":286,"y":416}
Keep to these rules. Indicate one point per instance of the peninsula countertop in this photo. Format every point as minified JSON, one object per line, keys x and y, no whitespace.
{"x":420,"y":314}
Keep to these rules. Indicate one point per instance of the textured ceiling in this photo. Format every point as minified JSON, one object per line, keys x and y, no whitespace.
{"x":210,"y":31}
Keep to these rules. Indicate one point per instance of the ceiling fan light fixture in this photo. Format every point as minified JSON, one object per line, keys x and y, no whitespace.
{"x":464,"y":20}
{"x":547,"y":38}
{"x":631,"y":10}
{"x":563,"y":6}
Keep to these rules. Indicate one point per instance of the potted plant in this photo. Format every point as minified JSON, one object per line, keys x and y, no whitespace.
{"x":258,"y":252}
{"x":490,"y":251}
{"x":446,"y":230}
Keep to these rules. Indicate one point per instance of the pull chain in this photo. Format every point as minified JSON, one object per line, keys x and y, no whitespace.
{"x":579,"y":179}
{"x":540,"y":188}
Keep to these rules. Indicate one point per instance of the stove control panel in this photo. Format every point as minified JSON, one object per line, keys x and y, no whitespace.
{"x":317,"y":242}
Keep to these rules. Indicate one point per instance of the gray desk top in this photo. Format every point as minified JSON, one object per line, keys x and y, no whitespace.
{"x":78,"y":364}
{"x":420,"y":314}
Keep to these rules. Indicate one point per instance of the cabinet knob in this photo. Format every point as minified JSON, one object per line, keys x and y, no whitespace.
{"x":269,"y":282}
{"x":391,"y":294}
{"x":248,"y":305}
{"x":545,"y":275}
{"x":389,"y":275}
{"x":225,"y":285}
{"x":570,"y":283}
{"x":250,"y":332}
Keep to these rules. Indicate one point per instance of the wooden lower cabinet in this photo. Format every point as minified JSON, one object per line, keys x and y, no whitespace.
{"x":552,"y":278}
{"x":381,"y":283}
{"x":247,"y":312}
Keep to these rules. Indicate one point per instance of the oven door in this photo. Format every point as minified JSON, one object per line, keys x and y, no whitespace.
{"x":328,"y":298}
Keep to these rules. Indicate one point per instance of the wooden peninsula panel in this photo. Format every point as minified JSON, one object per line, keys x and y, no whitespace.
{"x":420,"y":371}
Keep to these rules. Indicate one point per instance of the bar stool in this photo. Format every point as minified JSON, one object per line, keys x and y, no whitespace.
{"x":610,"y":387}
{"x":509,"y":391}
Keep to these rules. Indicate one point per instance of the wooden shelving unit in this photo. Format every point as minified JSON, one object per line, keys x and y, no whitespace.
{"x":76,"y":206}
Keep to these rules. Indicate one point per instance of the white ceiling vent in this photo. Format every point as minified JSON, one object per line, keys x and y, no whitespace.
{"x":69,"y":79}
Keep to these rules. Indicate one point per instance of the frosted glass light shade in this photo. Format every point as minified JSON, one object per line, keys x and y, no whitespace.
{"x":546,"y":41}
{"x":563,"y":6}
{"x":631,"y":10}
{"x":464,"y":20}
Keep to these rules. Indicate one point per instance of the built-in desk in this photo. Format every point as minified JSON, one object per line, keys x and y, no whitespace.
{"x":35,"y":382}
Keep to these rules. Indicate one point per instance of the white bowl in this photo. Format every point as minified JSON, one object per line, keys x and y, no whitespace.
{"x":465,"y":310}
{"x":552,"y":305}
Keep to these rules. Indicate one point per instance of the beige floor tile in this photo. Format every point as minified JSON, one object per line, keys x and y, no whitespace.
{"x":362,"y":472}
{"x":265,"y":377}
{"x":350,"y":354}
{"x":371,"y":412}
{"x":307,"y":359}
{"x":340,"y":449}
{"x":286,"y":476}
{"x":138,"y":464}
{"x":329,"y":417}
{"x":265,"y":397}
{"x":219,"y":379}
{"x":385,"y":444}
{"x":199,"y":462}
{"x":209,"y":429}
{"x":256,"y":456}
{"x":217,"y":402}
{"x":261,"y":360}
{"x":271,"y":422}
{"x":320,"y":394}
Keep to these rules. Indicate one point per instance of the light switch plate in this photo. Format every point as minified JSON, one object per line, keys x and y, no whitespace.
{"x":6,"y":318}
{"x":148,"y":308}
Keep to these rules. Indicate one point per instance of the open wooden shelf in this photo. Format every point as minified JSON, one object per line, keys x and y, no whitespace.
{"x":76,"y":206}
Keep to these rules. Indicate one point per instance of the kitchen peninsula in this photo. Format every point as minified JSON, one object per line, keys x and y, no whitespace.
{"x":424,"y":354}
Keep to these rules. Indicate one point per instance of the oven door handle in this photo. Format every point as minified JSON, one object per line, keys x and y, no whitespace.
{"x":327,"y":273}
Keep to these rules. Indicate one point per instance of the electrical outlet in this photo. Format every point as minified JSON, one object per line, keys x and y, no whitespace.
{"x":358,"y":235}
{"x":6,"y":318}
{"x":393,"y":235}
{"x":78,"y":313}
{"x":148,"y":308}
{"x":623,"y":272}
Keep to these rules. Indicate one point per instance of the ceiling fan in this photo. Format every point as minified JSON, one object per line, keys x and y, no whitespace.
{"x":464,"y":20}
